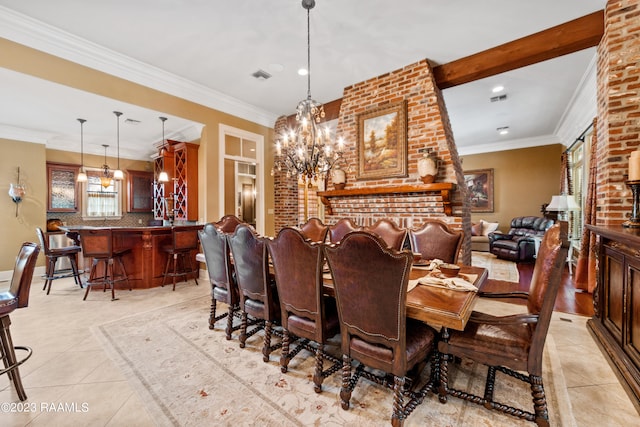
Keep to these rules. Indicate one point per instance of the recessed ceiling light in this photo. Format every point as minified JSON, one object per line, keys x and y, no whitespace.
{"x":503,"y":130}
{"x":497,"y":89}
{"x":303,"y":72}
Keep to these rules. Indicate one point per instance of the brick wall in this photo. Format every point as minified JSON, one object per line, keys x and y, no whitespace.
{"x":618,"y":126}
{"x":427,"y":127}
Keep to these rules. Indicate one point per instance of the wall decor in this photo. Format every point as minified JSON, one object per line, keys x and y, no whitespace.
{"x":382,"y":142}
{"x":479,"y":184}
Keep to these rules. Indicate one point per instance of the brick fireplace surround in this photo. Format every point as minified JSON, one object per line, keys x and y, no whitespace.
{"x":428,"y":126}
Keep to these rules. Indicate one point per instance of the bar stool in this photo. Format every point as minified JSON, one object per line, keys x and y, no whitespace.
{"x":180,"y":261}
{"x":53,"y":254}
{"x":17,"y":296}
{"x":98,"y":244}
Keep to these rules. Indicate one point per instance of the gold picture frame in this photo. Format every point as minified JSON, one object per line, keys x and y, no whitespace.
{"x":479,"y":185}
{"x":382,"y":142}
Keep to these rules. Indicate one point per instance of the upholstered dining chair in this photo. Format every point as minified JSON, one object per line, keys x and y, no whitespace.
{"x":180,"y":256}
{"x":390,"y":233}
{"x":513,"y":344}
{"x":306,"y":313}
{"x":228,"y":223}
{"x":338,"y":230}
{"x":257,"y":288}
{"x":374,"y":327}
{"x":53,"y":254}
{"x":221,"y":275}
{"x":315,"y":230}
{"x":435,"y":240}
{"x":17,"y":296}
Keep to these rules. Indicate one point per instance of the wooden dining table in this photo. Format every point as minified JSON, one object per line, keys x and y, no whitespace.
{"x":437,"y":306}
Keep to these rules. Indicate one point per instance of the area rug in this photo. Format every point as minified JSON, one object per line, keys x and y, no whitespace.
{"x":188,"y":375}
{"x":499,"y":269}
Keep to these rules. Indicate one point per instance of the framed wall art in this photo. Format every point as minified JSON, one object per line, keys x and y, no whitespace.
{"x":382,"y":142}
{"x":480,"y":189}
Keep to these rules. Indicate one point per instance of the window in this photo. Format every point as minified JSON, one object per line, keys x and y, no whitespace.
{"x":99,"y":202}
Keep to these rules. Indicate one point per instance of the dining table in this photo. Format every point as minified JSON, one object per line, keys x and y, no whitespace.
{"x":437,"y":306}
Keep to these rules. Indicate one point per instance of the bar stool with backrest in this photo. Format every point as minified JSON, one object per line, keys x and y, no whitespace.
{"x":306,"y":313}
{"x":181,"y":261}
{"x":17,"y":296}
{"x":53,"y":254}
{"x":221,"y":275}
{"x":98,"y":244}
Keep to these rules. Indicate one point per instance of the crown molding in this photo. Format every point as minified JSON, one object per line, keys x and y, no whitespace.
{"x":513,"y":144}
{"x":36,"y":34}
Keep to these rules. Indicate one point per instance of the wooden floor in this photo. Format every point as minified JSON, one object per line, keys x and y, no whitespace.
{"x":569,"y":300}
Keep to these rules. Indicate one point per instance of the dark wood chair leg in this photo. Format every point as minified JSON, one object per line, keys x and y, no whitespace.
{"x":10,"y":359}
{"x":345,"y":390}
{"x":539,"y":401}
{"x":397,"y":418}
{"x":317,"y":375}
{"x":284,"y":355}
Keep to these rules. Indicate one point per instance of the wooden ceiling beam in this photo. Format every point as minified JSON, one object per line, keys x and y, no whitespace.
{"x":570,"y":37}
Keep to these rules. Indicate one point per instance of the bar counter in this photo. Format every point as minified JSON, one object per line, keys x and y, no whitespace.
{"x":146,"y":261}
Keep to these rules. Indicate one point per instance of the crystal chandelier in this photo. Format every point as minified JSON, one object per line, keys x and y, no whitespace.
{"x":307,"y":151}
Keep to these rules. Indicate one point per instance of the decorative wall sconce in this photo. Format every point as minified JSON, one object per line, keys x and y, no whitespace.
{"x":17,"y":192}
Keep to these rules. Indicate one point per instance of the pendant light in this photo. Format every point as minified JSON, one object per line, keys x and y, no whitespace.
{"x":117,"y":174}
{"x":163,"y":176}
{"x":105,"y":178}
{"x":82,"y":174}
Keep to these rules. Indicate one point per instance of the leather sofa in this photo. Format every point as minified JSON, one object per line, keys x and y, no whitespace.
{"x":518,"y":243}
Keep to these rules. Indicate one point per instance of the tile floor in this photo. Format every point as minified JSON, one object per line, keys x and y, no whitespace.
{"x":70,"y":381}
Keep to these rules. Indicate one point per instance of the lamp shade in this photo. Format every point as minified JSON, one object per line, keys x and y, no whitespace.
{"x":562,"y":203}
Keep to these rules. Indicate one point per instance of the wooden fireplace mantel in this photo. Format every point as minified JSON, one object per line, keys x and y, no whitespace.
{"x":444,"y":188}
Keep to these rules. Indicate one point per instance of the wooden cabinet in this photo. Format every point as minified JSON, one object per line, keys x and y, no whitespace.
{"x":140,"y":191}
{"x":185,"y":187}
{"x":180,"y":195}
{"x":616,"y":323}
{"x":62,"y":188}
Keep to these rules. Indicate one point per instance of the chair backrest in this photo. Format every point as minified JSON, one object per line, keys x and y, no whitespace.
{"x":435,"y":240}
{"x":315,"y":230}
{"x":338,"y":230}
{"x":297,"y":263}
{"x":545,"y":282}
{"x":370,"y":282}
{"x":44,"y":241}
{"x":216,"y":254}
{"x":228,"y":223}
{"x":251,"y":263}
{"x":96,"y":243}
{"x":390,"y":233}
{"x":23,"y":273}
{"x":184,"y":239}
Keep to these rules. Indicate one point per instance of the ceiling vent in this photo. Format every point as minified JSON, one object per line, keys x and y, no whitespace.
{"x":498,"y":98}
{"x":132,"y":122}
{"x":261,"y":75}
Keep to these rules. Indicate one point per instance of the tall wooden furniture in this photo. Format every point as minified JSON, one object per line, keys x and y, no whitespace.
{"x":17,"y":296}
{"x":616,"y":322}
{"x":140,"y":186}
{"x":180,"y":194}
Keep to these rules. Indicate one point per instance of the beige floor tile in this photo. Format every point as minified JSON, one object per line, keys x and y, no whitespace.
{"x":67,"y":368}
{"x":132,"y":414}
{"x":603,"y":405}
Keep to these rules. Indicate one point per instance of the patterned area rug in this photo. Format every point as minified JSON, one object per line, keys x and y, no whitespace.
{"x":499,"y":269}
{"x":188,"y":375}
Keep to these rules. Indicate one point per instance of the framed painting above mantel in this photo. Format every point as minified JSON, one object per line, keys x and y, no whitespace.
{"x":382,"y":142}
{"x":479,"y":184}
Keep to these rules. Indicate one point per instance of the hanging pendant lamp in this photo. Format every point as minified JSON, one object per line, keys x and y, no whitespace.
{"x":105,"y":178}
{"x":82,"y":174}
{"x":118,"y":174}
{"x":163,"y":176}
